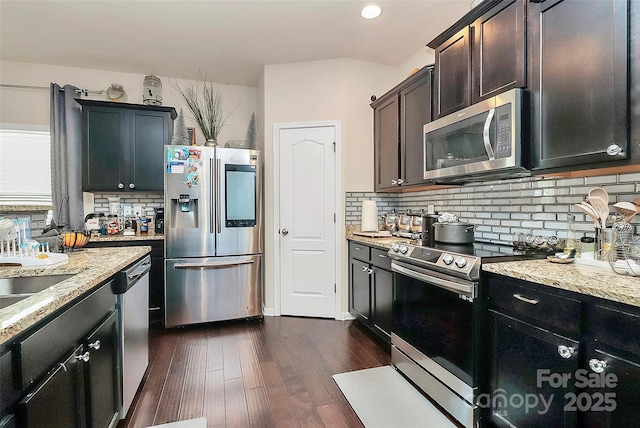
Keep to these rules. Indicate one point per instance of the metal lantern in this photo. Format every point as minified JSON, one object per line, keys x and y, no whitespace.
{"x":152,"y":91}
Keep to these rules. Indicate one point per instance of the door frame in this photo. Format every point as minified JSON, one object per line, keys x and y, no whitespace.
{"x":277,"y":127}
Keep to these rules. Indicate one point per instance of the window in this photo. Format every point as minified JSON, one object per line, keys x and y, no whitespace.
{"x":25,"y":166}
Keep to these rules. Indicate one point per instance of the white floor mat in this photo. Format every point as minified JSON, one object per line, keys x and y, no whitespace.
{"x":191,"y":423}
{"x":382,"y":398}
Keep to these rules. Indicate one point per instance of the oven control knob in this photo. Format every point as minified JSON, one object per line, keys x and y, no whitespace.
{"x":447,"y":259}
{"x":461,"y":262}
{"x":395,"y":248}
{"x":404,"y":249}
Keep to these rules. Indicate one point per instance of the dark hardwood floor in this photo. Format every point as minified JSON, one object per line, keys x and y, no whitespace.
{"x":270,"y":373}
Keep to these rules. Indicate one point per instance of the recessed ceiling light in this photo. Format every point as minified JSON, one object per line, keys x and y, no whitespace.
{"x":370,"y":12}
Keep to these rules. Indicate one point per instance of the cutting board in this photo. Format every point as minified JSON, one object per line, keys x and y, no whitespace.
{"x":379,"y":234}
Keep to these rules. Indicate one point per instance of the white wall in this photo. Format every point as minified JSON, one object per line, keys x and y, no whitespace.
{"x":337,"y":89}
{"x":30,"y":106}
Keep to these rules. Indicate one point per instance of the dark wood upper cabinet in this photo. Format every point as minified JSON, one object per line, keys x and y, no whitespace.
{"x":452,"y":79}
{"x":398,"y":119}
{"x":499,"y":50}
{"x":123,"y":146}
{"x":486,"y":55}
{"x":415,"y":112}
{"x":386,"y":137}
{"x":579,"y":82}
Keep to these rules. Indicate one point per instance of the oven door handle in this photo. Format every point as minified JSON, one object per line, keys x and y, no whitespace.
{"x":439,"y":282}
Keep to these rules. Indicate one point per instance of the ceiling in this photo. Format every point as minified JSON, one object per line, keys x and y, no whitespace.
{"x":230,"y":41}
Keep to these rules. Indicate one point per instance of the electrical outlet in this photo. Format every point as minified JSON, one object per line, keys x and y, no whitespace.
{"x":126,"y":209}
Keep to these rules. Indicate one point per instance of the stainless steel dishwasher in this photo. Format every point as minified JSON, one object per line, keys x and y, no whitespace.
{"x":132,"y":290}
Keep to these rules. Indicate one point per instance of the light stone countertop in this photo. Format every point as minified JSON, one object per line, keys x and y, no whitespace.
{"x":590,"y":280}
{"x":376,"y":242}
{"x":136,"y":237}
{"x":90,"y":267}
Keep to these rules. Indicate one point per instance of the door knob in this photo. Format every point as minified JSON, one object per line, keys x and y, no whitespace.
{"x":285,"y":232}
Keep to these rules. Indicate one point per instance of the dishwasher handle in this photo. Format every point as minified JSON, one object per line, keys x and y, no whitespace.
{"x":129,"y":277}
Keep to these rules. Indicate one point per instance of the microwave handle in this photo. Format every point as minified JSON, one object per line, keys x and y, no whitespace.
{"x":485,"y":135}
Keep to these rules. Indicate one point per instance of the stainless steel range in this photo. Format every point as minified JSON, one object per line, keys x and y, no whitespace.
{"x":435,"y":320}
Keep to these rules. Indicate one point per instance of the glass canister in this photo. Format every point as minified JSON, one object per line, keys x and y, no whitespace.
{"x":152,"y":91}
{"x":604,"y":240}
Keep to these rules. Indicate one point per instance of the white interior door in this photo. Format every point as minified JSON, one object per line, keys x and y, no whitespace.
{"x":307,"y":221}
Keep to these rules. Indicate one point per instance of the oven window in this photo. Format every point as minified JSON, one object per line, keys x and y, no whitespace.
{"x":437,"y":323}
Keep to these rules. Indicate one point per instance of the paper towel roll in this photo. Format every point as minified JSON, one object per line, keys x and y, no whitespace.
{"x":369,"y":216}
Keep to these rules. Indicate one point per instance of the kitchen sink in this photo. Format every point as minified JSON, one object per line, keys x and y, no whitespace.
{"x":13,"y":290}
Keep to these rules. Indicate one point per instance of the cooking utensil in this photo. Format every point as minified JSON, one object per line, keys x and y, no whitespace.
{"x":588,"y":210}
{"x":627,"y":209}
{"x":454,"y":233}
{"x":599,"y":192}
{"x":601,"y":207}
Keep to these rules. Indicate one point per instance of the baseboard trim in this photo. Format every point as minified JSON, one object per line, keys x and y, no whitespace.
{"x":346,"y":316}
{"x":268,"y":312}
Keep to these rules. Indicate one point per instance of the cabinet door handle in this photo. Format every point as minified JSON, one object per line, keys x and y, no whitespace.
{"x":95,"y":345}
{"x":566,"y":351}
{"x":597,"y":366}
{"x":83,"y":357}
{"x":370,"y":271}
{"x":526,"y":299}
{"x":614,"y":150}
{"x":132,"y":186}
{"x":364,"y":268}
{"x":400,"y":181}
{"x":120,"y":186}
{"x":394,"y":182}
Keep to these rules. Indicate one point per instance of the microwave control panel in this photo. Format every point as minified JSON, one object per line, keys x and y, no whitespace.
{"x":503,"y":140}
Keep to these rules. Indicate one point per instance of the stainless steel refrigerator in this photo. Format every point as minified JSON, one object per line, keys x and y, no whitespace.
{"x":213,"y":234}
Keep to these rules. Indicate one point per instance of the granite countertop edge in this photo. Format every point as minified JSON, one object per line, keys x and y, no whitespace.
{"x":89,"y":267}
{"x":593,"y":281}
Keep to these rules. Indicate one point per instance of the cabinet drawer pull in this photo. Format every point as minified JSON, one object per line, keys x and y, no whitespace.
{"x":384,"y":256}
{"x":597,"y":366}
{"x":357,"y":248}
{"x":526,"y":299}
{"x":566,"y":351}
{"x":84,"y":357}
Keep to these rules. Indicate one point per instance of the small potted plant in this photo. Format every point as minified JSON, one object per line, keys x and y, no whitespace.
{"x":204,"y":101}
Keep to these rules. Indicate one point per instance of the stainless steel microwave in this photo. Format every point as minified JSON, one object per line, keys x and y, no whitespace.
{"x":481,"y":142}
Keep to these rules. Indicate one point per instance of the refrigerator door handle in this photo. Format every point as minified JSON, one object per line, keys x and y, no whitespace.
{"x":212,"y":264}
{"x":218,"y":165}
{"x":212,"y":226}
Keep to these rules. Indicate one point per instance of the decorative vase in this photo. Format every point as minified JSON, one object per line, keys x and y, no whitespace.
{"x":211,"y":142}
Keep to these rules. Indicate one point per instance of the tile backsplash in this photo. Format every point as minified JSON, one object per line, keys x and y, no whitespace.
{"x":503,"y":209}
{"x":147,"y":201}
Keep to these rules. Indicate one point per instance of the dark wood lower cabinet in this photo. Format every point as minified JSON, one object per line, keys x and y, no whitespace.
{"x":371,"y":288}
{"x":57,"y":401}
{"x":588,"y":376}
{"x":360,"y":291}
{"x":102,"y":389}
{"x":612,"y":400}
{"x":525,"y":363}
